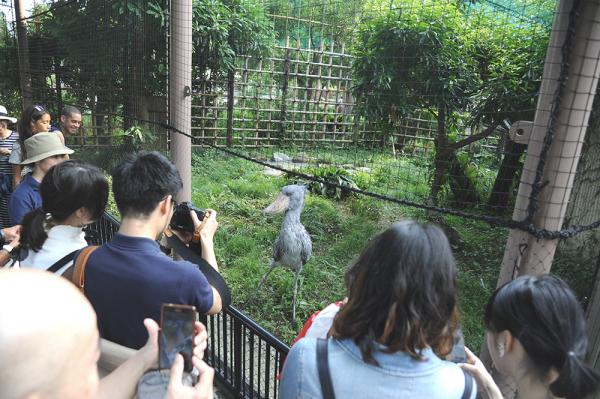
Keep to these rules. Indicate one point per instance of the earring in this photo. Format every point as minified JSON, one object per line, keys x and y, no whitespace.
{"x":501,"y":350}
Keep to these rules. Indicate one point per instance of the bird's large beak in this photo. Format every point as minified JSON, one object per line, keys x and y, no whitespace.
{"x":279,"y":205}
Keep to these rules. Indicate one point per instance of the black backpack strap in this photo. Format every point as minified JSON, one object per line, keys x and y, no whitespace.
{"x":62,"y":261}
{"x":468,"y":385}
{"x":323,"y":368}
{"x":213,"y":276}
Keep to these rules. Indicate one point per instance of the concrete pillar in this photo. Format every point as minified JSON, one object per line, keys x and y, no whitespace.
{"x":525,"y":254}
{"x":180,"y":84}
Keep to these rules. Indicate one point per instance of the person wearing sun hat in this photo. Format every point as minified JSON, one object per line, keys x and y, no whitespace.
{"x":44,"y":150}
{"x":7,"y":138}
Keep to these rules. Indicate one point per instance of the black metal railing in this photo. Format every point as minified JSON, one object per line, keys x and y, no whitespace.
{"x":247,"y":358}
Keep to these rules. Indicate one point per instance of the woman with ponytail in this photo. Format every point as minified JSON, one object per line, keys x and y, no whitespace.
{"x":73,"y":194}
{"x":538,"y":337}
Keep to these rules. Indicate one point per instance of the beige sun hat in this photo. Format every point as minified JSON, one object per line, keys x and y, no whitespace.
{"x":44,"y":145}
{"x":4,"y":115}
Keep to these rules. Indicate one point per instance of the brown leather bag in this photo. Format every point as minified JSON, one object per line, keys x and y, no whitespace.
{"x":76,"y":273}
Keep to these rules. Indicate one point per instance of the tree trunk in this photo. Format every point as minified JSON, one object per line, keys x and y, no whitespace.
{"x":584,"y":208}
{"x":442,"y":156}
{"x":505,"y":178}
{"x":465,"y":194}
{"x":584,"y":204}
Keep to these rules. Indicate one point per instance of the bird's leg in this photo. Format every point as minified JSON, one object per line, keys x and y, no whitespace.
{"x":262,"y":281}
{"x":296,"y":278}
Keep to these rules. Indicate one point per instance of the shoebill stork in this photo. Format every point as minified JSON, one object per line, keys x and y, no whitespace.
{"x":293,"y":246}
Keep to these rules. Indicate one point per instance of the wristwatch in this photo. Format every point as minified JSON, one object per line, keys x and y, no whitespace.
{"x":8,"y":248}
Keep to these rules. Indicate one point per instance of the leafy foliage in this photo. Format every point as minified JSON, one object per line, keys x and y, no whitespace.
{"x":411,"y":58}
{"x":340,"y":177}
{"x":223,"y":29}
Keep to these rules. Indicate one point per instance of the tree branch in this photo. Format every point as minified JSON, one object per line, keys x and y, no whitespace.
{"x":476,"y":137}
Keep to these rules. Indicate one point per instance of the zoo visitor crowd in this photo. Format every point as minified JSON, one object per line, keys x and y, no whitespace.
{"x":396,"y":335}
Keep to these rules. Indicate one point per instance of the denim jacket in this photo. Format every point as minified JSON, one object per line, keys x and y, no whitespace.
{"x":398,"y":375}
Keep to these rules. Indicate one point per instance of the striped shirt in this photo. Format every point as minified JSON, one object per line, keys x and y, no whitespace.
{"x":6,"y":168}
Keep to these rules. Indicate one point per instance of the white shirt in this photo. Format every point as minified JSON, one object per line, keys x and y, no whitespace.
{"x":61,"y":241}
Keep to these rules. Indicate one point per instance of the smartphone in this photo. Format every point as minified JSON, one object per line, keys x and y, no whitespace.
{"x":458,"y":354}
{"x":176,"y":335}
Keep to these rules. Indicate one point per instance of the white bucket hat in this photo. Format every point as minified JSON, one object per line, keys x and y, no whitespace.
{"x":44,"y":145}
{"x":4,"y":115}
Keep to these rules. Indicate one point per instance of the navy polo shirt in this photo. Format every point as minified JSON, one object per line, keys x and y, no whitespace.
{"x":24,"y":199}
{"x":129,"y":278}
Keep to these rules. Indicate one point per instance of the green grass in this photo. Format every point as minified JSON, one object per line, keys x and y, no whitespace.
{"x":239,"y":191}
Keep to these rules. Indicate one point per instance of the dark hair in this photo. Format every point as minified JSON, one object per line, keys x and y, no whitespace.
{"x":32,"y":113}
{"x":401,"y":293}
{"x":142,"y":181}
{"x":544,"y":315}
{"x":69,"y":110}
{"x":66,"y":187}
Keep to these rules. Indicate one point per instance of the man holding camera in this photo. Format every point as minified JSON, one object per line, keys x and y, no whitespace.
{"x":129,"y":278}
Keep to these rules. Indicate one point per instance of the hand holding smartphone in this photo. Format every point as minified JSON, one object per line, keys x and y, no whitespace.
{"x":176,"y":335}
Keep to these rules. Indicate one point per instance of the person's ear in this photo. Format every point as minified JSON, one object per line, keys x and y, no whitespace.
{"x":83,"y":214}
{"x":166,"y":204}
{"x":507,"y":341}
{"x":63,"y":119}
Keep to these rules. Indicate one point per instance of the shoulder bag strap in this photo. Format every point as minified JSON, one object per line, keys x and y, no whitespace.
{"x":79,"y":273}
{"x":61,"y":262}
{"x":213,"y":276}
{"x":468,"y":385}
{"x":323,"y":368}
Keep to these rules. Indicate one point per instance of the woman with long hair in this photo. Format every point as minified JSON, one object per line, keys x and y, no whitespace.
{"x":536,"y":335}
{"x":74,"y":194}
{"x":389,"y":338}
{"x":34,"y":119}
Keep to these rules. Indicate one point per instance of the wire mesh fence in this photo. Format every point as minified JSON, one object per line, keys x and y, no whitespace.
{"x":437,"y":105}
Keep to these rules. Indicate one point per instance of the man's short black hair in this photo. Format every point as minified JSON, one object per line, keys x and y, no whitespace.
{"x":142,"y":181}
{"x":69,"y":110}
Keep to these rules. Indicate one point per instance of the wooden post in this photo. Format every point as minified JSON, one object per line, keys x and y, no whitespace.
{"x":230,"y":94}
{"x":180,"y":100}
{"x":23,"y":50}
{"x":284,"y":93}
{"x":525,"y":254}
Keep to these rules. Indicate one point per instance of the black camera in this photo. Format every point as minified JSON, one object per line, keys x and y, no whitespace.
{"x":182,"y":220}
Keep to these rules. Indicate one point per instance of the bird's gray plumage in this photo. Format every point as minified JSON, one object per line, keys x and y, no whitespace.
{"x":293,"y":246}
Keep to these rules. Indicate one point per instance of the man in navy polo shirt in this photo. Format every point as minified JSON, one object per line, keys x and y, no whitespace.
{"x":129,"y":278}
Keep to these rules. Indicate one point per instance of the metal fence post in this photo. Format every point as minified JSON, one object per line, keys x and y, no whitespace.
{"x":237,"y":355}
{"x":180,"y":92}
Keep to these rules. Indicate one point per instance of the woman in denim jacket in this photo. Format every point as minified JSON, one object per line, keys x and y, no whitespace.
{"x":399,"y":321}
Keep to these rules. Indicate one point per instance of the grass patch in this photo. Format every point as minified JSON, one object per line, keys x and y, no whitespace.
{"x":238,"y":190}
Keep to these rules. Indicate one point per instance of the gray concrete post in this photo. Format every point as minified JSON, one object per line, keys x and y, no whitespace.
{"x":525,"y":254}
{"x":180,"y":84}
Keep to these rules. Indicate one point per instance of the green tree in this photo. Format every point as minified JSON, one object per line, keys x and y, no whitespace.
{"x":466,"y":65}
{"x":9,"y":79}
